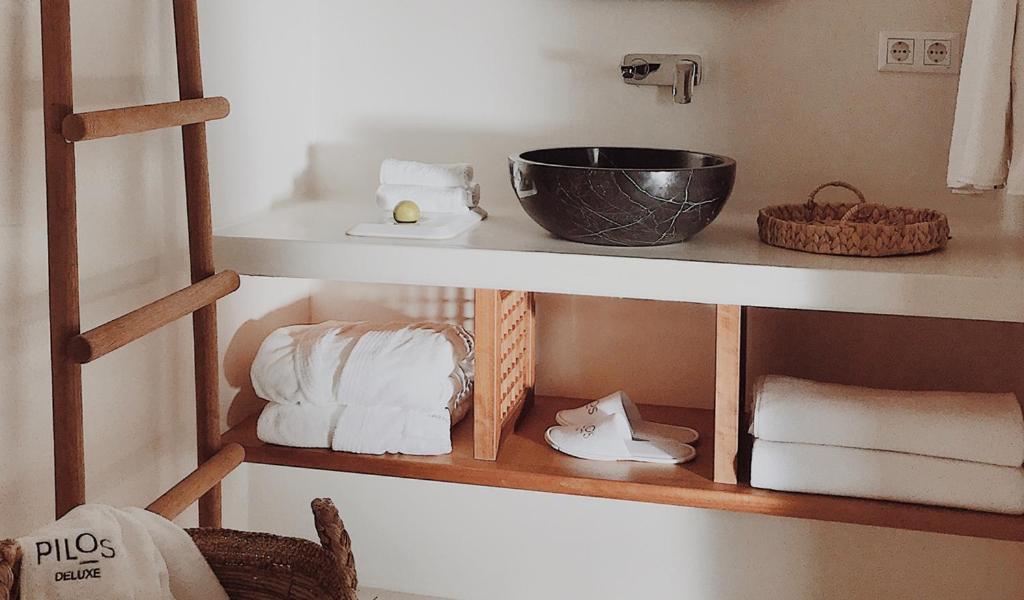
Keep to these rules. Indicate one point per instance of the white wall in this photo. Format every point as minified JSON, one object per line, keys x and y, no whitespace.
{"x":139,"y":408}
{"x":793,"y":94}
{"x":132,"y":251}
{"x":449,"y":80}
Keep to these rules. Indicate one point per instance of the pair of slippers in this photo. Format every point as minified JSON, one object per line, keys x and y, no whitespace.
{"x":613,"y":429}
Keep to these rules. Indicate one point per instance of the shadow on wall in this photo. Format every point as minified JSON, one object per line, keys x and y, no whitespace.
{"x":24,"y":370}
{"x":240,"y":352}
{"x":350,"y":169}
{"x":131,"y":252}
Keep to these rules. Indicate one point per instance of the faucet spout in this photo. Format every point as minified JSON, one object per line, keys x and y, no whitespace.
{"x":687,"y":75}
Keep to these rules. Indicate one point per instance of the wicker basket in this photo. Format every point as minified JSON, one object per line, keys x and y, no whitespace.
{"x":256,"y":566}
{"x":861,"y":229}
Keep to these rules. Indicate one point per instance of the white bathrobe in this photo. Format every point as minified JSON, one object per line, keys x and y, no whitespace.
{"x":364,"y":387}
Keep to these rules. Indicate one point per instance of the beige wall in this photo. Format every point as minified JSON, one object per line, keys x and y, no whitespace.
{"x":132,"y":251}
{"x":476,"y":80}
{"x":139,"y":411}
{"x":792,"y":92}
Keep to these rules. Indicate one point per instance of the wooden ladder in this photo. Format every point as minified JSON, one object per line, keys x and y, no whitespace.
{"x":69,"y":347}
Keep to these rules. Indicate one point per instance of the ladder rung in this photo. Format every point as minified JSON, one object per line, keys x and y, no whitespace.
{"x":80,"y":127}
{"x":188,"y":490}
{"x":106,"y":338}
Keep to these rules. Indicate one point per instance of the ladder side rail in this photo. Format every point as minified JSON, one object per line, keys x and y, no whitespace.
{"x":62,"y":251}
{"x":200,"y":242}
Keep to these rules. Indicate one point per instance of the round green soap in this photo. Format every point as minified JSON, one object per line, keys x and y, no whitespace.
{"x":407,"y":211}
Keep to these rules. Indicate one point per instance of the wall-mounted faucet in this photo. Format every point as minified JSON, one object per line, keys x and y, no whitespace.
{"x":679,"y":71}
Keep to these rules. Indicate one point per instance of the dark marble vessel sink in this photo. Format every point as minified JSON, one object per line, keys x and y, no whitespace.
{"x":622,"y":196}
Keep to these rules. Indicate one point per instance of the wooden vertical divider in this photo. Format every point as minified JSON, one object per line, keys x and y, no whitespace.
{"x":200,"y":246}
{"x":62,"y":247}
{"x":486,"y":429}
{"x":728,"y":391}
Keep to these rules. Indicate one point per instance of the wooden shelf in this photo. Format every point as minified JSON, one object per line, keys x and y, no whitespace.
{"x":526,"y":462}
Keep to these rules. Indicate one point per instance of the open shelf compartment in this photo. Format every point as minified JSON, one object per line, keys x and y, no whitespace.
{"x":525,"y":462}
{"x":503,"y":445}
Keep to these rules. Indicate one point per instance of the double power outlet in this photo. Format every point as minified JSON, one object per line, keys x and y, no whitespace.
{"x":919,"y":51}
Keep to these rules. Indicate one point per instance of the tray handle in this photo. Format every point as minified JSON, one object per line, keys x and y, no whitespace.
{"x":810,"y":199}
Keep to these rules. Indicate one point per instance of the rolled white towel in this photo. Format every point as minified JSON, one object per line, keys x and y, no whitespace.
{"x":382,"y":429}
{"x":298,"y":425}
{"x":408,"y":172}
{"x":887,"y":476}
{"x":430,"y":199}
{"x":985,"y":428}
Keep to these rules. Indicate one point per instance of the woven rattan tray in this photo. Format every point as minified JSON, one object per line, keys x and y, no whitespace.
{"x":858,"y":229}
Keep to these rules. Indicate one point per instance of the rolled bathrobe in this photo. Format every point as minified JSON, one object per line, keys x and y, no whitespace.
{"x":984,"y":428}
{"x":430,"y":199}
{"x":408,"y":172}
{"x":364,"y":387}
{"x":884,"y":475}
{"x":298,"y":425}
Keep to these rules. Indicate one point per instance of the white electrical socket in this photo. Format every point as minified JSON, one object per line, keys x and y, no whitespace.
{"x":919,"y":52}
{"x":937,"y":53}
{"x":899,"y":51}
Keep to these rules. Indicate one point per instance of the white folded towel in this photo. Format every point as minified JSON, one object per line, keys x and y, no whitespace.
{"x":987,"y":149}
{"x":356,"y":428}
{"x":408,"y":172}
{"x":985,"y":428}
{"x":886,"y":476}
{"x":430,"y":199}
{"x":380,"y":429}
{"x":98,"y":551}
{"x":298,"y":425}
{"x":364,"y":387}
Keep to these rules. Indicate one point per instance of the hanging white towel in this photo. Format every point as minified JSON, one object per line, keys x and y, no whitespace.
{"x":886,"y":476}
{"x":98,"y":551}
{"x":987,"y":149}
{"x":430,"y":199}
{"x":986,"y":428}
{"x":409,"y":172}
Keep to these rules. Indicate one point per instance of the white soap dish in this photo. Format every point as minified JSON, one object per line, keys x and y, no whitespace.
{"x":431,"y":226}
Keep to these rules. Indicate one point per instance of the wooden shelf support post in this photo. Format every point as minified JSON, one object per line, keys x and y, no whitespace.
{"x":728,"y":391}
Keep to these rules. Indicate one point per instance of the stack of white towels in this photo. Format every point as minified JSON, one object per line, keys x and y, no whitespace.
{"x":434,"y":188}
{"x":962,"y":450}
{"x":364,"y":387}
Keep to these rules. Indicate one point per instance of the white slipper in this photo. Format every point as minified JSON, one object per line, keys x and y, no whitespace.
{"x":619,"y":403}
{"x":610,"y":437}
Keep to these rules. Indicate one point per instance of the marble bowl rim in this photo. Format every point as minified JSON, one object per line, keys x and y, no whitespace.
{"x":725,"y":162}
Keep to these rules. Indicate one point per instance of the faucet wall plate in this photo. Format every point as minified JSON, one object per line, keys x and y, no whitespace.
{"x":657,"y":69}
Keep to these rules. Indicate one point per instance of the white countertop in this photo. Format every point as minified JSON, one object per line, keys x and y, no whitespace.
{"x":980,"y":275}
